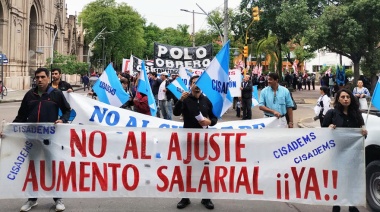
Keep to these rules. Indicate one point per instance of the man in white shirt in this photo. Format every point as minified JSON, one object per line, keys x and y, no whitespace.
{"x":162,"y":100}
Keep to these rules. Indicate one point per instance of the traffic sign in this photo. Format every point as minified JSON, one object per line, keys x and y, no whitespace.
{"x":3,"y":58}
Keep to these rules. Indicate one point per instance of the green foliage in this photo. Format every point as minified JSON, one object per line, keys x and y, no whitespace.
{"x":349,"y":73}
{"x":125,"y":24}
{"x":370,"y":65}
{"x":68,"y":64}
{"x":287,"y":20}
{"x":350,"y":28}
{"x":152,"y":34}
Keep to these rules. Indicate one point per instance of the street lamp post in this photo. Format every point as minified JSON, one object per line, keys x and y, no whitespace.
{"x":90,"y":46}
{"x":185,"y":10}
{"x":52,"y":55}
{"x":208,"y":15}
{"x":103,"y":59}
{"x":39,"y":51}
{"x":217,"y":27}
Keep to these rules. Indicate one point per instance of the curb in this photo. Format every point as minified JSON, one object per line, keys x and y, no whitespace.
{"x":19,"y":100}
{"x":301,"y":124}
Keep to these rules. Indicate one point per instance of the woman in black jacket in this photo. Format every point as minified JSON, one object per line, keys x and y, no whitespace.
{"x":346,"y":113}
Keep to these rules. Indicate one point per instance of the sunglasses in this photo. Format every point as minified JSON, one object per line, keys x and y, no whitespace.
{"x":274,"y":99}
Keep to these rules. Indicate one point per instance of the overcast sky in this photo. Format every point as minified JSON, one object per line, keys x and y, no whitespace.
{"x":165,"y":13}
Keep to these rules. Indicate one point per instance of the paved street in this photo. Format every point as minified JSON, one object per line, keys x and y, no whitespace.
{"x":306,"y":101}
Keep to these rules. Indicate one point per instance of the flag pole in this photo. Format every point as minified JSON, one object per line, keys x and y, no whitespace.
{"x":369,"y":108}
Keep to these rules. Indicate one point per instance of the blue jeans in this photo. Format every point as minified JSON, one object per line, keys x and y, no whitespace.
{"x":157,"y":104}
{"x":164,"y":108}
{"x":170,"y":109}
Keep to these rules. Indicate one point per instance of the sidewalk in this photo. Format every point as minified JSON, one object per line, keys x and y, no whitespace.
{"x":18,"y":95}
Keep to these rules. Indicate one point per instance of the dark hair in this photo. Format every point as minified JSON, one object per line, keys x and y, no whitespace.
{"x":325,"y":90}
{"x":124,"y":80}
{"x":273,"y":75}
{"x":39,"y":70}
{"x":353,"y":108}
{"x":56,"y":69}
{"x":154,"y":74}
{"x":193,"y":77}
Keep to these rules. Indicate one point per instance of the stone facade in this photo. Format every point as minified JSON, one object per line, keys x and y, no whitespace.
{"x":30,"y":25}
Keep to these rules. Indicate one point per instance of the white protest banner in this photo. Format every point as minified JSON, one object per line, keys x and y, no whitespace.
{"x":89,"y":111}
{"x":235,"y":82}
{"x":125,"y":66}
{"x":308,"y":166}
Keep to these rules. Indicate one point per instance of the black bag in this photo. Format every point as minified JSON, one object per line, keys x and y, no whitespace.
{"x":295,"y":105}
{"x":294,"y":102}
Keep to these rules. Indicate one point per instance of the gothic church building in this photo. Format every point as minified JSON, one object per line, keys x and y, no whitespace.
{"x":27,"y":30}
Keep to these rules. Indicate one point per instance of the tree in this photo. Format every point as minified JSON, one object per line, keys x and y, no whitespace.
{"x":176,"y":37}
{"x":350,"y":28}
{"x":125,"y":24}
{"x":152,"y":33}
{"x":301,"y":51}
{"x":370,"y":66}
{"x":267,"y":47}
{"x":68,"y":64}
{"x":286,"y":20}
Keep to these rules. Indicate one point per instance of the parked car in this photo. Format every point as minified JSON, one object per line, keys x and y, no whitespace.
{"x":372,"y":159}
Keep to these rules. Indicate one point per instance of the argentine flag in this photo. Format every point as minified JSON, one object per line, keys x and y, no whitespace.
{"x":214,"y":82}
{"x":255,"y":96}
{"x":144,"y":87}
{"x":376,"y":96}
{"x":109,"y":89}
{"x":177,"y":87}
{"x":185,"y":76}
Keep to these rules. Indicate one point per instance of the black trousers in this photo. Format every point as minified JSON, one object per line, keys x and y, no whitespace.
{"x":246,"y":105}
{"x":35,"y":199}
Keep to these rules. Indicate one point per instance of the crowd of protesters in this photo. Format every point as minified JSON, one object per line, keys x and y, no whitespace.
{"x":138,"y":102}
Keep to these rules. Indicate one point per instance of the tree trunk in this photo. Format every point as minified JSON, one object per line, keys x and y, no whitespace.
{"x":374,"y":80}
{"x":279,"y":62}
{"x":356,"y":71}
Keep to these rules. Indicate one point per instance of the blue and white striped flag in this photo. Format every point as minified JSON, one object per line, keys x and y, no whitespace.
{"x":144,"y":87}
{"x":177,"y":87}
{"x":109,"y":89}
{"x":255,"y":96}
{"x":214,"y":82}
{"x":185,"y":75}
{"x":376,"y":95}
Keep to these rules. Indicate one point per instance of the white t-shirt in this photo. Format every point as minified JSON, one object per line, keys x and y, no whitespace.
{"x":326,"y":103}
{"x":161,"y":93}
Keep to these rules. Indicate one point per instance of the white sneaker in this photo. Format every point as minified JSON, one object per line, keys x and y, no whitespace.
{"x":59,"y":206}
{"x":28,"y":205}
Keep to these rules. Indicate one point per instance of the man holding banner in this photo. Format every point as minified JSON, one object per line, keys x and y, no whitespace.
{"x":41,"y":104}
{"x":275,"y":100}
{"x":196,"y":109}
